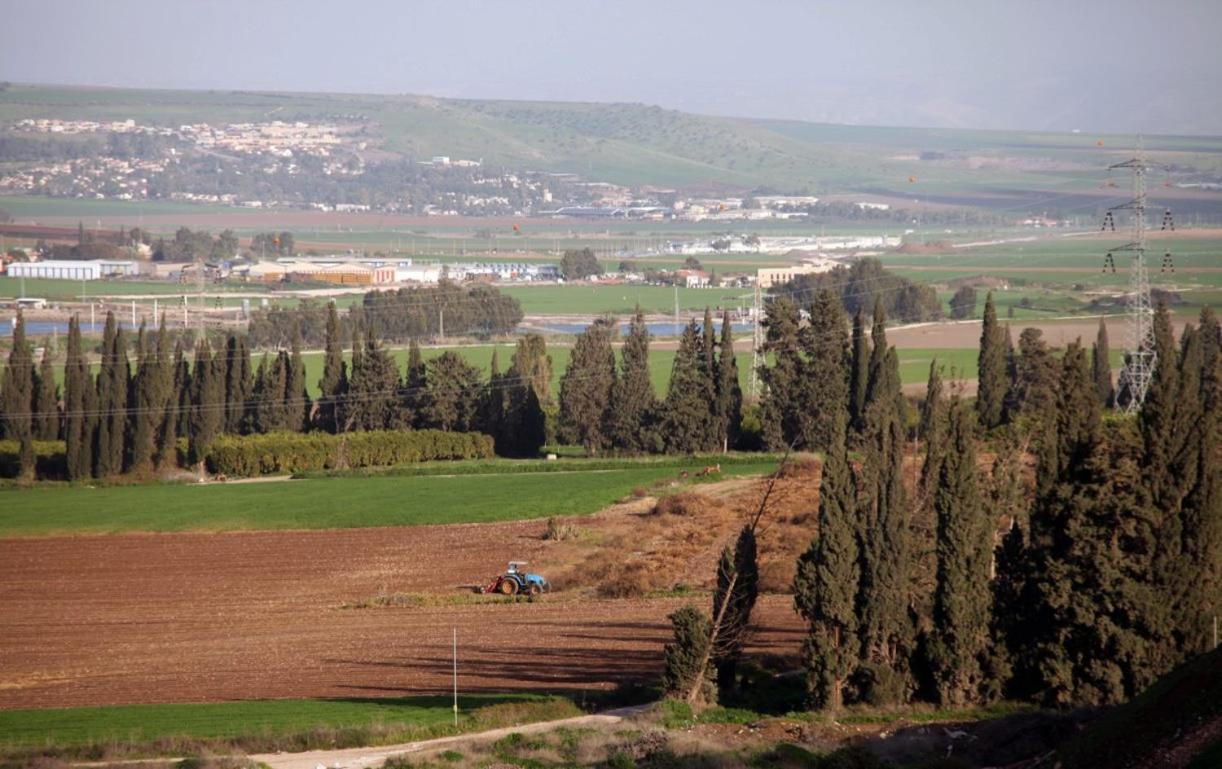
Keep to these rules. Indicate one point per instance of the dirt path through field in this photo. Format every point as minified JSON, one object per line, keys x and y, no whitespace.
{"x":205,"y":617}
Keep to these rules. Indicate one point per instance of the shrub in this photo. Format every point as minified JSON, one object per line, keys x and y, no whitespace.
{"x":683,"y":655}
{"x":50,"y":460}
{"x":250,"y":455}
{"x":684,"y":503}
{"x":801,"y":467}
{"x":559,"y":532}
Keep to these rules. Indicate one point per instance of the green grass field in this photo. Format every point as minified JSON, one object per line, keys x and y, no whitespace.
{"x":262,"y":724}
{"x":495,"y":491}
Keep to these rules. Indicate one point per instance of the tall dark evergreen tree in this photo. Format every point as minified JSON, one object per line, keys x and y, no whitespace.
{"x":113,"y":375}
{"x":784,"y":415}
{"x":452,"y":393}
{"x":739,"y":565}
{"x":207,"y":404}
{"x":415,"y":379}
{"x":1058,"y":540}
{"x":932,"y":427}
{"x":78,"y":400}
{"x":296,"y":396}
{"x":373,"y":391}
{"x":1101,"y":367}
{"x":17,"y":397}
{"x":826,"y":344}
{"x":144,"y":416}
{"x":182,"y":390}
{"x":165,"y":450}
{"x":859,"y":372}
{"x":46,"y":400}
{"x":1033,"y":384}
{"x":586,"y":386}
{"x":685,"y":413}
{"x":633,"y":401}
{"x":492,"y":402}
{"x":334,"y":383}
{"x":238,"y":382}
{"x":828,"y":574}
{"x":961,"y":612}
{"x":728,"y":410}
{"x":884,"y":625}
{"x":527,"y":397}
{"x":991,"y":369}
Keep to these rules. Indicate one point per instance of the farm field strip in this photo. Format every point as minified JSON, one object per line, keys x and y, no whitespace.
{"x":81,"y":727}
{"x":338,"y":502}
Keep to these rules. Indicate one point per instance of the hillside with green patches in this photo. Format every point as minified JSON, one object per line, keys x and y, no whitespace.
{"x":641,"y":144}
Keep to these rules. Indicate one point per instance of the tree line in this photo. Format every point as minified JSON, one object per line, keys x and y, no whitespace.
{"x":1076,"y":583}
{"x":417,"y":312}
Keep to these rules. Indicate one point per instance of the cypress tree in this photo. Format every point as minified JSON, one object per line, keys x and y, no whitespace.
{"x":46,"y":400}
{"x":1056,"y":529}
{"x":1033,"y":385}
{"x":334,"y":382}
{"x":260,"y":413}
{"x":826,"y":582}
{"x":182,"y":390}
{"x":741,"y":565}
{"x":414,"y":381}
{"x":207,"y":404}
{"x":633,"y":401}
{"x":884,"y":626}
{"x":932,"y":427}
{"x":991,"y":369}
{"x":960,"y":638}
{"x":452,"y":393}
{"x":529,"y":392}
{"x":78,"y":397}
{"x":1101,"y":367}
{"x":238,"y":382}
{"x":586,"y":385}
{"x":143,"y":416}
{"x":728,"y":412}
{"x":112,"y":401}
{"x":1006,"y":502}
{"x":783,"y":408}
{"x":296,"y":396}
{"x":492,"y":406}
{"x":17,"y":396}
{"x":684,"y":655}
{"x":859,"y":372}
{"x":373,"y":390}
{"x":685,"y":412}
{"x":165,"y":450}
{"x":826,"y":343}
{"x":708,"y":368}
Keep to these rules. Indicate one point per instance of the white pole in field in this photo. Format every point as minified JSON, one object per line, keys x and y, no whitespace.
{"x":456,"y":676}
{"x":154,"y":310}
{"x":92,"y":328}
{"x":133,"y":313}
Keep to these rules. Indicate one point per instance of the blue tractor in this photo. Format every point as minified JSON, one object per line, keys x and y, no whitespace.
{"x":517,"y":581}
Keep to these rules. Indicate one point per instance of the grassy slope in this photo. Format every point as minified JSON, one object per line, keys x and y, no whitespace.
{"x":1176,"y":705}
{"x":291,"y":723}
{"x":501,"y":493}
{"x":630,"y":143}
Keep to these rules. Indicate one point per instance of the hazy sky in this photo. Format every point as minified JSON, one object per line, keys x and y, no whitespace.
{"x":1100,"y":66}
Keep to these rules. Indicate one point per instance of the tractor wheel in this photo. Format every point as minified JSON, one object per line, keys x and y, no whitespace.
{"x":534,"y":589}
{"x":508,"y":587}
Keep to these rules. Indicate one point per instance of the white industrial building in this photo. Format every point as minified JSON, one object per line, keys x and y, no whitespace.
{"x":74,"y":269}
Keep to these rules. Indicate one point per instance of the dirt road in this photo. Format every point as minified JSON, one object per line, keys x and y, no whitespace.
{"x":205,"y":617}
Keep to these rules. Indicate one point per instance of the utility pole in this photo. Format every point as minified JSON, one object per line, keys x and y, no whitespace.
{"x":677,"y":329}
{"x":1140,"y":355}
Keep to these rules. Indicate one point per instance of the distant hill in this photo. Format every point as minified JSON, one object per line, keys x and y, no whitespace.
{"x":635,"y":144}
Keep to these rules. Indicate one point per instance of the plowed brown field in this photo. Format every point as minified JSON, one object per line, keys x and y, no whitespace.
{"x":205,"y":617}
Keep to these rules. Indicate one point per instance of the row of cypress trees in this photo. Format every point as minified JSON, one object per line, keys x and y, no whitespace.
{"x":1079,"y":589}
{"x":603,"y":407}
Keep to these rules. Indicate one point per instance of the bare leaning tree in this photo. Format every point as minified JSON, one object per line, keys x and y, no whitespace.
{"x":702,"y":646}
